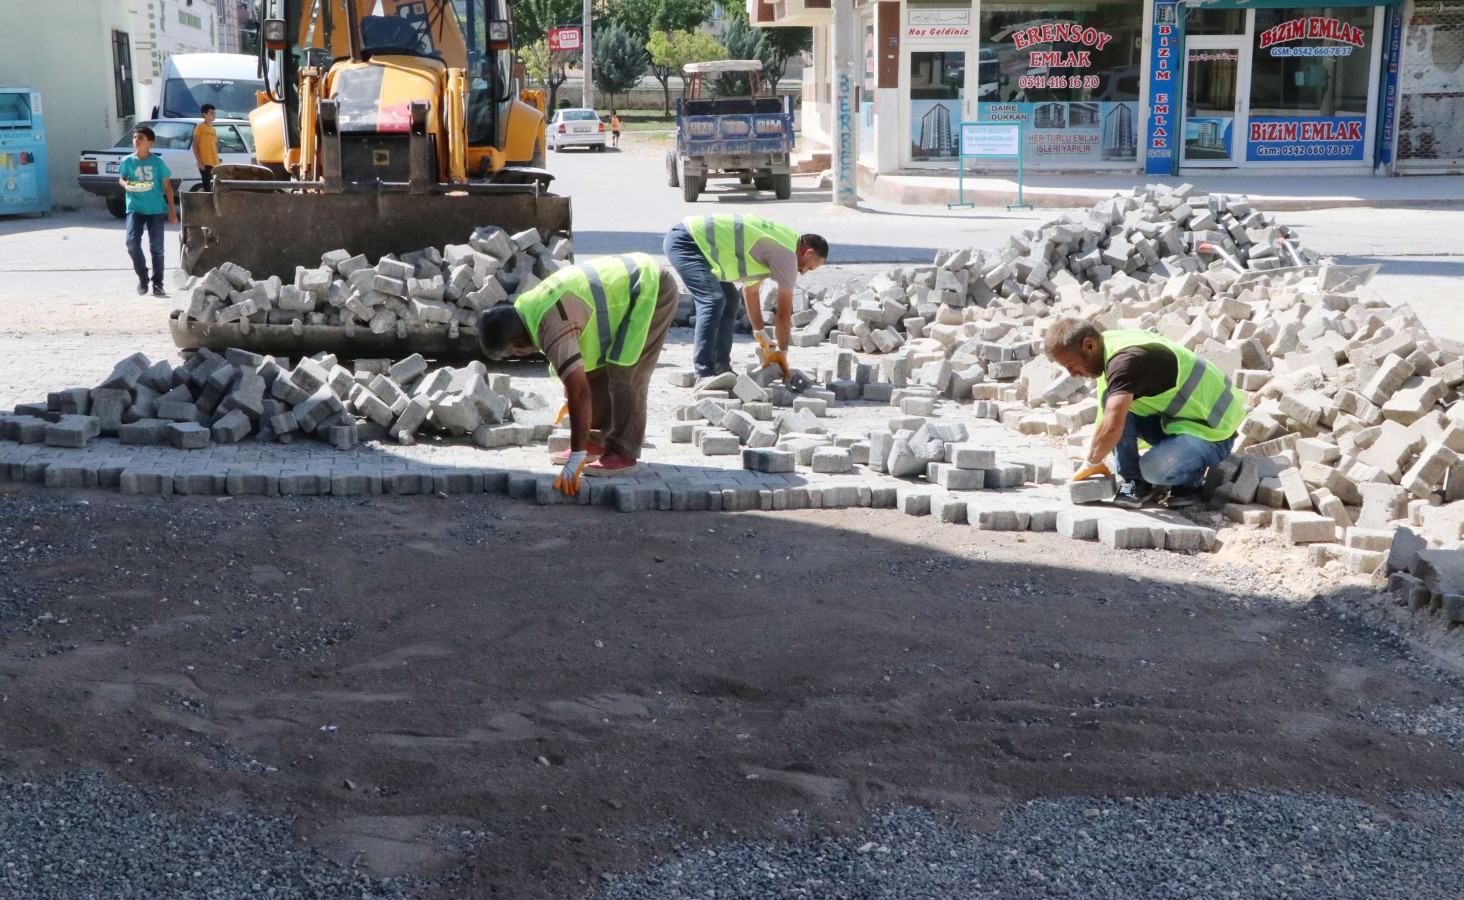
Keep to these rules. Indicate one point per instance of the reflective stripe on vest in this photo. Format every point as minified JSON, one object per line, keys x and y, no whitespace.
{"x":725,"y":241}
{"x":615,"y":290}
{"x":1203,"y":404}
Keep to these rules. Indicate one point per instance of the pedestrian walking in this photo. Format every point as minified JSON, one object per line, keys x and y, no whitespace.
{"x":206,"y":145}
{"x":602,"y":324}
{"x":713,"y":252}
{"x":615,"y":129}
{"x":145,"y":177}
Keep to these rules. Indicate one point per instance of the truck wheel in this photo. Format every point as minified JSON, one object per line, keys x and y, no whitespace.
{"x":691,"y":186}
{"x":763,"y":182}
{"x":783,"y":186}
{"x":672,"y":178}
{"x":117,"y":206}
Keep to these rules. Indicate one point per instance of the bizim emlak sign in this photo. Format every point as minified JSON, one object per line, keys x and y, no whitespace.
{"x":1309,"y":138}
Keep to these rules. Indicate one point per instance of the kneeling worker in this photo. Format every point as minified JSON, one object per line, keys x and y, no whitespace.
{"x":1150,"y":389}
{"x":601,"y":323}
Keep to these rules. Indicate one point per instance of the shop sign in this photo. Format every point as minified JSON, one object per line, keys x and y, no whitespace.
{"x":564,"y":39}
{"x":1390,"y":93}
{"x":1312,"y":28}
{"x":1158,"y":144}
{"x":1070,"y":132}
{"x":938,"y":24}
{"x":1305,"y":138}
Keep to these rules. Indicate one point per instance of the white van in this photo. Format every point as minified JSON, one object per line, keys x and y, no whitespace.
{"x":227,"y":80}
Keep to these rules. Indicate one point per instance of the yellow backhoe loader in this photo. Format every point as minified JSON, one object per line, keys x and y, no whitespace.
{"x":386,"y":126}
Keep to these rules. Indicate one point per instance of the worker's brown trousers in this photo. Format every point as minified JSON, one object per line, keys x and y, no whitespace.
{"x":618,"y":393}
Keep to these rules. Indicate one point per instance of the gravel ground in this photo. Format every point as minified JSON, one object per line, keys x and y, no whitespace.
{"x":84,"y":836}
{"x":1237,"y":845}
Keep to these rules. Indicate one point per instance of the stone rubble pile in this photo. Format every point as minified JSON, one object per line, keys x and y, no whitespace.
{"x":240,"y":395}
{"x":1130,"y":244}
{"x":450,"y":287}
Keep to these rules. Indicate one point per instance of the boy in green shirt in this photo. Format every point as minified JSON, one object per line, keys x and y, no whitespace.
{"x":144,"y":176}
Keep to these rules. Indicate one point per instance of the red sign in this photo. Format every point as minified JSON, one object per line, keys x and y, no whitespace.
{"x":564,"y":39}
{"x":1312,"y":27}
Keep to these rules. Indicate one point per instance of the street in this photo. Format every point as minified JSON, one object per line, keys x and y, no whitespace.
{"x":468,"y":695}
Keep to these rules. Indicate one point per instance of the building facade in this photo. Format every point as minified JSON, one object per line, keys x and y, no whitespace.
{"x":1148,"y":86}
{"x":97,"y":65}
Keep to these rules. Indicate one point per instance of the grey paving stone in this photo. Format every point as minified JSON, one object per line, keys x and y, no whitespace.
{"x":200,"y":482}
{"x":146,"y":481}
{"x":188,"y":436}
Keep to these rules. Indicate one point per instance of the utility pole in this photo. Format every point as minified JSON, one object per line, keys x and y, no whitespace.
{"x":845,"y":154}
{"x":588,"y":100}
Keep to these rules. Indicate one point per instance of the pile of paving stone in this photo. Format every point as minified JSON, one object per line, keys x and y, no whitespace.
{"x":214,"y":399}
{"x":1154,"y":235}
{"x":450,"y":287}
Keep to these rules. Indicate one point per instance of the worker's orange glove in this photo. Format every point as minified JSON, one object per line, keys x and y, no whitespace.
{"x":777,"y":358}
{"x":1090,"y":471}
{"x":563,"y":411}
{"x":764,"y":339}
{"x":567,"y":483}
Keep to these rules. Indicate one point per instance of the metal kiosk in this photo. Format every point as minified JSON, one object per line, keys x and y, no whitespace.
{"x":25,"y":184}
{"x":987,"y":140}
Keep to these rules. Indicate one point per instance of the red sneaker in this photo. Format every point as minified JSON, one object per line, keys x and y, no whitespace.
{"x":610,"y":465}
{"x":593,"y":452}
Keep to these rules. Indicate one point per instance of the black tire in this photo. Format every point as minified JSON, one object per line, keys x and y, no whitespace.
{"x":537,"y":160}
{"x":673,"y":171}
{"x":599,"y":148}
{"x":783,"y":186}
{"x":763,"y":182}
{"x":691,"y":187}
{"x":117,"y":206}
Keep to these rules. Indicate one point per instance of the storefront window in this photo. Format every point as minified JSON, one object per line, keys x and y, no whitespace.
{"x":1309,"y":83}
{"x":937,"y":84}
{"x":1214,"y":21}
{"x":1069,"y":74}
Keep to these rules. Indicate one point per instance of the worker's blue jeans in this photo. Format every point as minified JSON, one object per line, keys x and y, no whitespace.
{"x":716,"y":303}
{"x":1173,"y":459}
{"x":154,"y":223}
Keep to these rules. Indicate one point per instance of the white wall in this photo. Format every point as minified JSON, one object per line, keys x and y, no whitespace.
{"x":63,"y":49}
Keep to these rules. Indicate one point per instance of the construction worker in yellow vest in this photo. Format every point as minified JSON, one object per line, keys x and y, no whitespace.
{"x":713,"y":252}
{"x":601,"y":324}
{"x":1155,"y":390}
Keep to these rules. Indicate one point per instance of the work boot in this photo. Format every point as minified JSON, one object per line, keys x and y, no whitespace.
{"x":142,"y":289}
{"x":1135,"y":494}
{"x":610,"y":465}
{"x":593,"y":451}
{"x":157,"y":291}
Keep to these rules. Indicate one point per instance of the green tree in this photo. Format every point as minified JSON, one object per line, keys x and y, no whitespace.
{"x":741,"y":41}
{"x":671,"y":50}
{"x":646,"y":18}
{"x":777,"y":47}
{"x":620,"y":60}
{"x":532,"y":19}
{"x":548,"y":68}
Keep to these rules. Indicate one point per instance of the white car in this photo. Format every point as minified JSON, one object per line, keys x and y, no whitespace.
{"x":575,"y":128}
{"x":98,"y":168}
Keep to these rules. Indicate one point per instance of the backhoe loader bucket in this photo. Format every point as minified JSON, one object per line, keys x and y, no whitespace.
{"x":270,"y":228}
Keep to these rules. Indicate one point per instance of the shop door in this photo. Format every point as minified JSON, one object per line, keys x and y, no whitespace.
{"x":1216,"y":85}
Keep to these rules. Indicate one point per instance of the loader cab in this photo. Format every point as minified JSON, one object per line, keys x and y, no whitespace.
{"x":472,"y":35}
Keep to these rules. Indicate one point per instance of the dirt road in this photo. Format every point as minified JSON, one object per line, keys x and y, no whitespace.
{"x":498,"y":699}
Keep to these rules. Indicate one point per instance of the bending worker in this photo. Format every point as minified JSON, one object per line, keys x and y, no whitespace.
{"x":712,"y":252}
{"x":601,"y":324}
{"x":1154,"y":390}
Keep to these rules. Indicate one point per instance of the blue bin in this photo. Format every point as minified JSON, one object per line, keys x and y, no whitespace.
{"x":25,"y":184}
